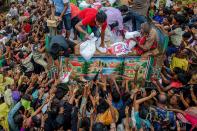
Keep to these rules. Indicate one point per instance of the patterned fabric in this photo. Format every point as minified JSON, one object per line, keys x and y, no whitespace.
{"x":52,"y":72}
{"x":162,"y":119}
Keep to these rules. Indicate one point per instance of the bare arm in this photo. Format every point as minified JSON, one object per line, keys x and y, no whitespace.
{"x":102,"y":38}
{"x":178,"y":111}
{"x":127,"y":86}
{"x":193,"y":95}
{"x":164,"y":79}
{"x":160,"y":87}
{"x":65,"y":8}
{"x":116,"y":85}
{"x":73,"y":96}
{"x":136,"y":75}
{"x":127,"y":119}
{"x":38,"y":110}
{"x":78,"y":26}
{"x":140,"y":101}
{"x":183,"y":100}
{"x":157,"y":86}
{"x":161,"y":27}
{"x":53,"y":11}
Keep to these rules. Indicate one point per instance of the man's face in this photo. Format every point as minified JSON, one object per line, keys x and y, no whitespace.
{"x":161,"y":12}
{"x":98,"y":23}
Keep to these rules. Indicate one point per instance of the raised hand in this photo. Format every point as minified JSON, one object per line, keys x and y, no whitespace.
{"x":127,"y":110}
{"x":109,"y":100}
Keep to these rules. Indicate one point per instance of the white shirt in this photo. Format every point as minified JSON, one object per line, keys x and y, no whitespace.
{"x":21,"y":1}
{"x":3,"y":40}
{"x":13,"y":12}
{"x":169,"y":3}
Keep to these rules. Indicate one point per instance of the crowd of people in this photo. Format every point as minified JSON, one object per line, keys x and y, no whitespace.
{"x":33,"y":99}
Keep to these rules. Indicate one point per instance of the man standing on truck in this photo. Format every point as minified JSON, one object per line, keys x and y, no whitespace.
{"x":138,"y":13}
{"x":61,"y":8}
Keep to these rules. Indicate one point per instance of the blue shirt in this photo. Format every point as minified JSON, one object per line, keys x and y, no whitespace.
{"x":163,"y":119}
{"x":158,"y":18}
{"x":118,"y":105}
{"x":59,"y":5}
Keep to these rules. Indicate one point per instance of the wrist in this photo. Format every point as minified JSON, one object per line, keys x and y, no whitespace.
{"x":113,"y":125}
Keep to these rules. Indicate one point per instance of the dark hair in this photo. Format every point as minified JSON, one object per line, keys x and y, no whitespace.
{"x":178,"y":70}
{"x":59,"y":93}
{"x":56,"y":48}
{"x":101,"y":17}
{"x":115,"y":96}
{"x":123,"y":8}
{"x":8,"y":43}
{"x":187,"y":35}
{"x":60,"y":120}
{"x":99,"y":127}
{"x":169,"y":19}
{"x":8,"y":30}
{"x":189,"y":11}
{"x":18,"y":119}
{"x":179,"y":18}
{"x":1,"y":128}
{"x":126,"y":96}
{"x":55,"y":107}
{"x":167,"y":11}
{"x":103,"y":106}
{"x":27,"y":97}
{"x":36,"y":121}
{"x":192,"y":26}
{"x":85,"y":123}
{"x":183,"y":78}
{"x":21,"y":55}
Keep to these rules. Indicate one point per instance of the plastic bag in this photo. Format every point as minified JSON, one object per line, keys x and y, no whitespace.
{"x":131,"y":44}
{"x":65,"y":77}
{"x":88,"y":48}
{"x":130,"y":35}
{"x":119,"y":48}
{"x":99,"y":48}
{"x":84,"y":5}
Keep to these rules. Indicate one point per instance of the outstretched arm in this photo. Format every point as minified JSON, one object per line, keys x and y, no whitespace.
{"x":183,"y":100}
{"x":136,"y":75}
{"x":178,"y":111}
{"x":160,"y":87}
{"x":116,"y":85}
{"x":193,"y":95}
{"x":153,"y":94}
{"x":140,"y":101}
